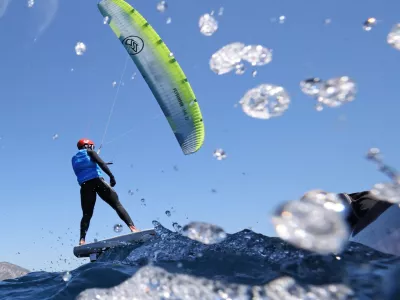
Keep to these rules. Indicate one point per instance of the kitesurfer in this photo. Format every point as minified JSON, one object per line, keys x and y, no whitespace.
{"x":88,"y":167}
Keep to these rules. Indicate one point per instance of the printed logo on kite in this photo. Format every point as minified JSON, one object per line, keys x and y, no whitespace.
{"x":133,"y":44}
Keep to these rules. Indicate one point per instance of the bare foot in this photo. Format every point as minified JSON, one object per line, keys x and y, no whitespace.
{"x":81,"y":242}
{"x":133,"y":229}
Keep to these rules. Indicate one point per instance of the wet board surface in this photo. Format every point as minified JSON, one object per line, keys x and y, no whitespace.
{"x":121,"y":240}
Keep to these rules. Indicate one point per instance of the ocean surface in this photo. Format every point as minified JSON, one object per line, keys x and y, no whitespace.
{"x":245,"y":265}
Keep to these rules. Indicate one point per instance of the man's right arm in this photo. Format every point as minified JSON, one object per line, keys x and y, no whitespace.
{"x":103,"y":165}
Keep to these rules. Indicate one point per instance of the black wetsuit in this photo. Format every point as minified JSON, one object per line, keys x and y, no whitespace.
{"x":98,"y":186}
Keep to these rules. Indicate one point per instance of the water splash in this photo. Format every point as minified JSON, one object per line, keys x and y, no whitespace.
{"x":225,"y":59}
{"x":337,"y":91}
{"x":265,"y":101}
{"x":67,"y":276}
{"x":219,"y":154}
{"x":204,"y":233}
{"x":311,"y":227}
{"x":311,"y":86}
{"x":389,"y":191}
{"x":369,"y":24}
{"x":118,"y":228}
{"x":208,"y":25}
{"x":80,"y":48}
{"x":162,"y":6}
{"x":330,"y":201}
{"x":393,"y":38}
{"x":257,"y":55}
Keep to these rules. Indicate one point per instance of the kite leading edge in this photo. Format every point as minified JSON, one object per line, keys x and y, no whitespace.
{"x":160,"y":70}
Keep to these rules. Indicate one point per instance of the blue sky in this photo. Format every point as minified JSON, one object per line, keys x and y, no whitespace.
{"x":269,"y":161}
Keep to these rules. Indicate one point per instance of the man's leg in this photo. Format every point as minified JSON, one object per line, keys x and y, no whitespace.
{"x":88,"y":200}
{"x":107,"y":193}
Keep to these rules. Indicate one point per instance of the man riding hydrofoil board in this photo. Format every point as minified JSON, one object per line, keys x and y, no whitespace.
{"x":88,"y":167}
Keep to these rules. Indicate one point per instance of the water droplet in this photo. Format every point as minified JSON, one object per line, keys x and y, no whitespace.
{"x":219,"y":154}
{"x":214,"y":191}
{"x":226,"y":58}
{"x":373,"y":154}
{"x":265,"y":101}
{"x":67,"y":276}
{"x":389,"y":192}
{"x":31,"y":3}
{"x":337,"y":91}
{"x":80,"y":48}
{"x":330,"y":201}
{"x":319,"y":107}
{"x":168,"y":213}
{"x":282,"y":19}
{"x":114,"y":84}
{"x":162,"y":6}
{"x":254,"y":73}
{"x":118,"y":228}
{"x":204,"y":233}
{"x":240,"y":69}
{"x":169,"y":20}
{"x":208,"y":25}
{"x":106,"y":20}
{"x":371,"y":22}
{"x":54,"y":137}
{"x":221,"y":11}
{"x":130,"y":192}
{"x":327,"y":21}
{"x":311,"y":86}
{"x":177,"y":227}
{"x":393,"y":37}
{"x":311,"y":227}
{"x":257,"y":55}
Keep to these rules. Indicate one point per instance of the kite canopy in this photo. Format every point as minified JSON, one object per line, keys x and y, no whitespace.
{"x":160,"y":70}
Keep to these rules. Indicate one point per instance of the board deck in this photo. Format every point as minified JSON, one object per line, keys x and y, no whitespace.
{"x":100,"y":246}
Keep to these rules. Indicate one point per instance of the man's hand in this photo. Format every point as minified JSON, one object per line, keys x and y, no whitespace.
{"x":112,"y":182}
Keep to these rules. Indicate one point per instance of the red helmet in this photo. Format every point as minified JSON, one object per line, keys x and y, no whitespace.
{"x":85,"y":143}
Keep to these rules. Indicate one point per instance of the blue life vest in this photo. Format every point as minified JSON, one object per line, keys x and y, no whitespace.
{"x":84,"y":168}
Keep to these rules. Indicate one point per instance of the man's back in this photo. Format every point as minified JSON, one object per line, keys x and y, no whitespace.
{"x":84,"y":167}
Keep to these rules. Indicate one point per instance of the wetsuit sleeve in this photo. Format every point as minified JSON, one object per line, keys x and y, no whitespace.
{"x":96,"y":158}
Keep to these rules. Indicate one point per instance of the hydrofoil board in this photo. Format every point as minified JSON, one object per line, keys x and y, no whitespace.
{"x":96,"y":248}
